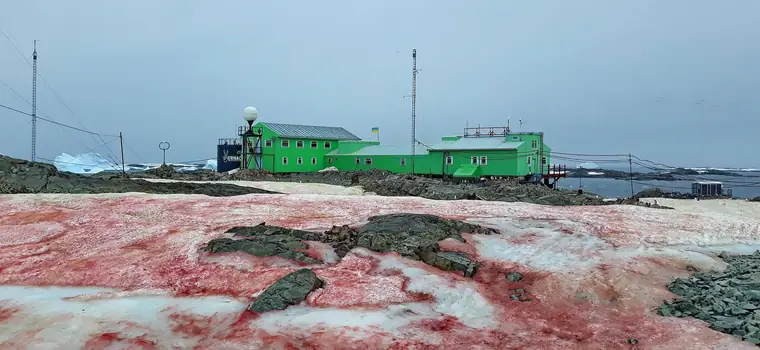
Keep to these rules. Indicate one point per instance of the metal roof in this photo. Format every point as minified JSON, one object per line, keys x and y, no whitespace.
{"x":385,"y":150}
{"x":476,"y":143}
{"x":311,"y":132}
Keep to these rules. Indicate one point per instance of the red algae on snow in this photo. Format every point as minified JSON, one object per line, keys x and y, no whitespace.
{"x":577,"y":290}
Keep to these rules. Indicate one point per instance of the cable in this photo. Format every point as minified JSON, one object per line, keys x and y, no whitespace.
{"x":57,"y":123}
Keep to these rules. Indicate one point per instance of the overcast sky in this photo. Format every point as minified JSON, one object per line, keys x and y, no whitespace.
{"x":674,"y":81}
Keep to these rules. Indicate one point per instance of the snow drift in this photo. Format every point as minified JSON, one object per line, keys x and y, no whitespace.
{"x":93,"y":271}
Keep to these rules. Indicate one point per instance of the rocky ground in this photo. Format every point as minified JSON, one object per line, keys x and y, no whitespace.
{"x":729,"y":300}
{"x":413,"y":236}
{"x":388,"y":184}
{"x":21,"y":176}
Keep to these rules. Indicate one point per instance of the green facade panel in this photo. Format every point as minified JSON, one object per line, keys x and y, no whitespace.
{"x":511,"y":155}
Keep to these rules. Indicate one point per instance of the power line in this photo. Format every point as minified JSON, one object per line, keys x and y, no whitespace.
{"x":57,"y":123}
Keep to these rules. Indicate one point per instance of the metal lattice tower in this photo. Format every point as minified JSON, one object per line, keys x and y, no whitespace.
{"x":414,"y":105}
{"x":34,"y":103}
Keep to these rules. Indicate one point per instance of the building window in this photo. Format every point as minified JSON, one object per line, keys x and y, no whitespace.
{"x":358,"y":160}
{"x":403,"y":161}
{"x":329,"y":160}
{"x":285,"y":143}
{"x":474,"y":160}
{"x":268,"y":143}
{"x":543,"y":160}
{"x":449,"y":160}
{"x":313,"y":144}
{"x":328,"y":144}
{"x":299,"y":161}
{"x":515,"y":138}
{"x":483,"y":160}
{"x":313,"y":160}
{"x":534,"y":144}
{"x":284,"y":160}
{"x":530,"y":160}
{"x":368,"y":161}
{"x":299,"y":144}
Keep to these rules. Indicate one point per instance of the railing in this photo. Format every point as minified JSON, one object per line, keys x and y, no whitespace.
{"x":242,"y":129}
{"x":555,"y":169}
{"x":487,"y":131}
{"x":230,"y":141}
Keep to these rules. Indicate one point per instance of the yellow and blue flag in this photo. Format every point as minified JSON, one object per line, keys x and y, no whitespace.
{"x":375,"y":130}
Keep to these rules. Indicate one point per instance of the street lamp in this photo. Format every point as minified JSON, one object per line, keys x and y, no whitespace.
{"x":250,"y":114}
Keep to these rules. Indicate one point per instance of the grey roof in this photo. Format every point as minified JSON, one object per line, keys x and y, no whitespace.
{"x":385,"y":150}
{"x":476,"y":143}
{"x":311,"y":132}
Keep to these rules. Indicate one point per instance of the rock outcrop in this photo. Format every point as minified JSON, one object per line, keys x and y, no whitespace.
{"x":289,"y":290}
{"x":21,"y":176}
{"x":729,"y":301}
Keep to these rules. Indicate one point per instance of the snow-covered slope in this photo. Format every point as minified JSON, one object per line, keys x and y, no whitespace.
{"x":94,"y":271}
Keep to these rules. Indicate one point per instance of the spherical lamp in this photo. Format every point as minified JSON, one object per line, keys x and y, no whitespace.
{"x":250,"y":114}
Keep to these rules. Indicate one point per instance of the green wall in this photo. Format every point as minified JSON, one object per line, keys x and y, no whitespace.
{"x":273,"y":152}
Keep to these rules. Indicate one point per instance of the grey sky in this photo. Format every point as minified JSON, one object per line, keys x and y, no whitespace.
{"x":596,"y":76}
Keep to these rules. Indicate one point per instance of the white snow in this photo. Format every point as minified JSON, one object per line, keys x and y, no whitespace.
{"x":285,"y":187}
{"x":66,"y":317}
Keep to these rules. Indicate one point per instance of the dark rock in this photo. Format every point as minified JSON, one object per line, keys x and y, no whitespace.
{"x":412,"y":234}
{"x":729,"y":301}
{"x":289,"y":290}
{"x":514,"y":277}
{"x":633,"y":341}
{"x":21,"y":176}
{"x":267,"y":245}
{"x":163,"y":172}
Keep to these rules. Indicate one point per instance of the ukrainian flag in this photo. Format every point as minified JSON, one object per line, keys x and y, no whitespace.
{"x":376,"y":130}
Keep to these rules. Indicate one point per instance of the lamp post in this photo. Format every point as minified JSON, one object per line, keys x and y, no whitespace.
{"x":250,"y":114}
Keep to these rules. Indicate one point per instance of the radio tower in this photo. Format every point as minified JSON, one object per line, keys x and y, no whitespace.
{"x":414,"y":105}
{"x":34,"y":103}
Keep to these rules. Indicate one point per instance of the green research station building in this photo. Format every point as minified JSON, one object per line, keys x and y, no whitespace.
{"x":478,"y":152}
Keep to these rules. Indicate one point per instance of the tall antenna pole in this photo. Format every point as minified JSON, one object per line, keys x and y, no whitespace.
{"x":34,"y":103}
{"x":414,"y":106}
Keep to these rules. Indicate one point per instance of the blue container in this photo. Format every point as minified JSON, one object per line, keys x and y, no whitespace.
{"x":228,"y":153}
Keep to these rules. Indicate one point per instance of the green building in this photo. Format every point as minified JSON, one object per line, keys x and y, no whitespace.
{"x":479,"y":152}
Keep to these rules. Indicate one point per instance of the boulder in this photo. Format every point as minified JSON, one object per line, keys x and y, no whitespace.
{"x":289,"y":290}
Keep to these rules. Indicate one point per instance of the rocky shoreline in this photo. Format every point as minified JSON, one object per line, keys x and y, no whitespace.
{"x":21,"y":176}
{"x":670,"y":175}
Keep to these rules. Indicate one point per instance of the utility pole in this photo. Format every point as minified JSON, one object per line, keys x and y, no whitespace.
{"x":414,"y":106}
{"x":121,"y":140}
{"x":34,"y":103}
{"x":630,"y":173}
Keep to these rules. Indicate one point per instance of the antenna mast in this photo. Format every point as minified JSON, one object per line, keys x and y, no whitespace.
{"x":414,"y":105}
{"x":34,"y":103}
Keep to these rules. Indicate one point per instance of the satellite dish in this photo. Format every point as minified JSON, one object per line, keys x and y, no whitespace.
{"x":251,"y":114}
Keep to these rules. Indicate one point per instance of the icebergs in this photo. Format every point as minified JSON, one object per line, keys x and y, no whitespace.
{"x":87,"y":163}
{"x":93,"y":163}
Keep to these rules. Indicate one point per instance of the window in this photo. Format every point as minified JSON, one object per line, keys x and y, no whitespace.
{"x":285,"y":143}
{"x":449,"y":160}
{"x":299,"y":161}
{"x":543,"y":160}
{"x":313,"y":144}
{"x":534,"y":144}
{"x":313,"y":160}
{"x":268,"y":143}
{"x":329,"y":160}
{"x":358,"y":160}
{"x":299,"y":144}
{"x":515,"y":138}
{"x":483,"y":160}
{"x":530,"y":160}
{"x":328,"y":144}
{"x":368,"y":161}
{"x":284,"y":160}
{"x":403,"y":161}
{"x":474,"y":160}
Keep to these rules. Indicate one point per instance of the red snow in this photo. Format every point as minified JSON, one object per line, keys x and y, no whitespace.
{"x":149,"y":244}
